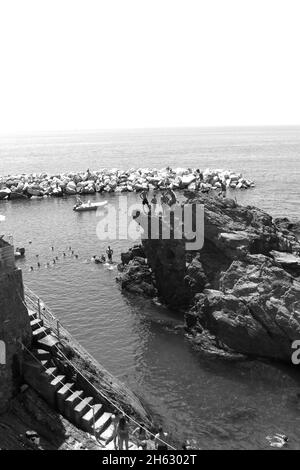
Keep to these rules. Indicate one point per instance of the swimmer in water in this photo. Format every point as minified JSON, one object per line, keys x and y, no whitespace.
{"x":31,"y":268}
{"x":64,"y":254}
{"x":76,"y":256}
{"x":72,"y":252}
{"x":36,"y":256}
{"x":278,"y":440}
{"x":187,"y":445}
{"x":54,"y":261}
{"x":56,"y":257}
{"x":39,"y":265}
{"x":52,"y":248}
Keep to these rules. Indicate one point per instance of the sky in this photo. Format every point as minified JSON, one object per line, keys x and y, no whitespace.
{"x":96,"y":64}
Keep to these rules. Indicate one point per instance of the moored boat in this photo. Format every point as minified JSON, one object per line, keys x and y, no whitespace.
{"x":4,"y":193}
{"x":89,"y":206}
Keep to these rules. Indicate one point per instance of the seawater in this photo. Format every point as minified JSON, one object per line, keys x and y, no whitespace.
{"x":219,"y":404}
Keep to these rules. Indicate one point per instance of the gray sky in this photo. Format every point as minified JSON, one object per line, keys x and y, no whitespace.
{"x":88,"y":64}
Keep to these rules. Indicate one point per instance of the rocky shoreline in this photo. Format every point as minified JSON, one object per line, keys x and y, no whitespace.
{"x":114,"y":180}
{"x":240,"y":292}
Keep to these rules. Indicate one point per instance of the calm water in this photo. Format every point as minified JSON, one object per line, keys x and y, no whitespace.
{"x":221,"y":405}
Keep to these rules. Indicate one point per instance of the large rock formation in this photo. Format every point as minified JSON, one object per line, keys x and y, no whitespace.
{"x":240,"y":290}
{"x":256,"y":310}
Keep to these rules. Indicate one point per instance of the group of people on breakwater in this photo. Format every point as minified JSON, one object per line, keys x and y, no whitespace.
{"x":114,"y":180}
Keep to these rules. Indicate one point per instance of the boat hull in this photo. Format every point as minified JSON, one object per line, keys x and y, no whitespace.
{"x":89,"y":207}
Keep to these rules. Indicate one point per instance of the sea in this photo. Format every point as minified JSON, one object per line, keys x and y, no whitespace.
{"x":218,"y":404}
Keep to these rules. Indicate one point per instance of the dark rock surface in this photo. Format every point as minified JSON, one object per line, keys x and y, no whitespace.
{"x":241,"y":291}
{"x":137,"y":277}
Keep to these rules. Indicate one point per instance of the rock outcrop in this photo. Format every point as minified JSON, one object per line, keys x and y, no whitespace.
{"x":256,"y":310}
{"x":241,"y":291}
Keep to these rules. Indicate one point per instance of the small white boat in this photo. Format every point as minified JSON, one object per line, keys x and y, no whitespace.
{"x":89,"y":206}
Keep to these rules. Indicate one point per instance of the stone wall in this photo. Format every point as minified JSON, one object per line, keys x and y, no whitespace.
{"x":14,"y":326}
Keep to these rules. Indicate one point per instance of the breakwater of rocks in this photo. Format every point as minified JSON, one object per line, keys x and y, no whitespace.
{"x":115,"y":180}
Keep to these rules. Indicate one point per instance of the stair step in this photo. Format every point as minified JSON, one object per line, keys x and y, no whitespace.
{"x":42,"y":354}
{"x":71,"y":402}
{"x":58,"y":381}
{"x":51,"y":371}
{"x":45,"y":362}
{"x":61,"y":395}
{"x":107,"y":433}
{"x":34,"y":376}
{"x":36,"y":323}
{"x":82,"y":408}
{"x":93,"y":414}
{"x":132,"y":446}
{"x":103,"y":422}
{"x":40,"y":333}
{"x":48,"y":343}
{"x":68,"y":387}
{"x":32,"y":314}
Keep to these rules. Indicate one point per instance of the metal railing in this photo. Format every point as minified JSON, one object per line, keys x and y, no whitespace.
{"x":33,"y":303}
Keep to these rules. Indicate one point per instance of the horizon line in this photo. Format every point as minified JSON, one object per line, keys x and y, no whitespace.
{"x":141,"y":128}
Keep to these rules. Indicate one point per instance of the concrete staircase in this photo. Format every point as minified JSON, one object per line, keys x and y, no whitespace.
{"x":65,"y":396}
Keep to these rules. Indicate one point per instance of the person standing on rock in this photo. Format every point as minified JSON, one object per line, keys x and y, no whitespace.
{"x":223,"y":189}
{"x":109,"y":252}
{"x":172,"y":199}
{"x":123,"y":432}
{"x":145,"y":202}
{"x":141,"y":435}
{"x":160,"y":439}
{"x":114,"y":435}
{"x":164,"y":198}
{"x":154,"y":201}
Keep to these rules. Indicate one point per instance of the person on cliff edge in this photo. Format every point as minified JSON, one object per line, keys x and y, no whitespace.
{"x":145,"y":202}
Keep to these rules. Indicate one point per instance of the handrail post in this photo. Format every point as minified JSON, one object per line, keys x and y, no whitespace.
{"x":57,"y":325}
{"x":94,"y":422}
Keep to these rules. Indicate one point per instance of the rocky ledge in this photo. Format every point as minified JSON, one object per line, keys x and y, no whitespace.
{"x":240,"y":292}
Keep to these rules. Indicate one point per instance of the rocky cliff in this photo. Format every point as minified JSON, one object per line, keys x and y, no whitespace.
{"x":240,"y":292}
{"x":14,"y":326}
